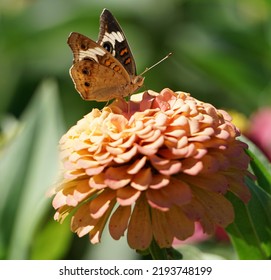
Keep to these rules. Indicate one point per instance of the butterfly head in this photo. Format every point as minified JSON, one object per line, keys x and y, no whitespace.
{"x":138,"y":81}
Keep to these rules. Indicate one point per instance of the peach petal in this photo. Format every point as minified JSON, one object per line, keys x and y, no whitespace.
{"x":102,"y":157}
{"x":194,"y":126}
{"x":117,"y":177}
{"x":73,"y":175}
{"x":127,"y":196}
{"x":218,"y":207}
{"x":178,"y":191}
{"x":94,"y":170}
{"x":129,"y":142}
{"x":97,"y":181}
{"x":68,"y":165}
{"x":164,"y":166}
{"x":238,"y":187}
{"x":125,"y":157}
{"x":193,"y":210}
{"x":101,"y":203}
{"x":82,"y":222}
{"x":72,"y":193}
{"x":158,"y":161}
{"x":182,"y":142}
{"x":218,"y":184}
{"x":199,"y":138}
{"x":154,"y":136}
{"x":179,"y":121}
{"x":81,"y":193}
{"x":174,"y":132}
{"x":159,"y":181}
{"x":135,"y":126}
{"x":118,"y":121}
{"x":59,"y":199}
{"x":86,"y":163}
{"x":200,"y":153}
{"x":170,"y":142}
{"x":139,"y":235}
{"x":161,"y":230}
{"x":96,"y":232}
{"x":96,"y":138}
{"x":161,"y":119}
{"x":210,"y":164}
{"x":158,"y":200}
{"x":180,"y":226}
{"x":174,"y":153}
{"x":114,"y":151}
{"x":222,"y":134}
{"x":148,"y":135}
{"x":62,"y":213}
{"x":144,"y":131}
{"x":137,"y":165}
{"x":150,"y":149}
{"x":119,"y":221}
{"x":116,"y":143}
{"x":142,"y":179}
{"x":192,"y":166}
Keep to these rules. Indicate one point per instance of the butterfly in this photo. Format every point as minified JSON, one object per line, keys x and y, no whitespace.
{"x":105,"y":69}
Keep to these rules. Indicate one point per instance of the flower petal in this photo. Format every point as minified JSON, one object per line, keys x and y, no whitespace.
{"x":161,"y":231}
{"x":101,"y":203}
{"x":119,"y":221}
{"x":139,"y":235}
{"x":127,"y":196}
{"x":117,"y":177}
{"x":142,"y":179}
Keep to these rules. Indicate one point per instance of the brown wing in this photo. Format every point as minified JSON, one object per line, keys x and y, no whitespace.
{"x":98,"y":82}
{"x":97,"y":75}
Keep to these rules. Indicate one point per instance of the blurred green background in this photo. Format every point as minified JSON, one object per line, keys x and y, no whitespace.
{"x":221,"y":54}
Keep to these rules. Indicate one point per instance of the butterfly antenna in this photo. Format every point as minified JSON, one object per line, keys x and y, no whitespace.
{"x":161,"y":60}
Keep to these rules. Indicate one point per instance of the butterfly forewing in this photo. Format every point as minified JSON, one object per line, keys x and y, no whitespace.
{"x":113,"y":39}
{"x":97,"y":72}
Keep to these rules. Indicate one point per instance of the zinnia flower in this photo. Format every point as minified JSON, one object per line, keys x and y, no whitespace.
{"x":152,"y":166}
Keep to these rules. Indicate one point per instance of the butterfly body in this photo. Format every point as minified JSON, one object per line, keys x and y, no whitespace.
{"x":105,"y":69}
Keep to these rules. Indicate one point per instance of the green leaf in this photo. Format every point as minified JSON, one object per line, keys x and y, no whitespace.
{"x":251,"y":231}
{"x":51,"y":241}
{"x":28,"y":166}
{"x":261,"y":168}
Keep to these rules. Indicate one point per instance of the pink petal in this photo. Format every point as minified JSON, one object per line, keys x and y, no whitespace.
{"x":161,"y":230}
{"x":165,"y":166}
{"x":127,"y":196}
{"x":137,"y":165}
{"x":139,"y":234}
{"x":159,"y":181}
{"x":218,"y":184}
{"x":82,"y":222}
{"x":117,"y":177}
{"x":119,"y":221}
{"x":142,"y":179}
{"x":97,"y":181}
{"x":180,"y":226}
{"x":192,"y":166}
{"x":217,"y":206}
{"x":94,"y":170}
{"x":125,"y":157}
{"x":152,"y":148}
{"x":99,"y":205}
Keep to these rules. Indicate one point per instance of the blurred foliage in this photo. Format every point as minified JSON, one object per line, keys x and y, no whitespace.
{"x":221,"y":55}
